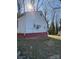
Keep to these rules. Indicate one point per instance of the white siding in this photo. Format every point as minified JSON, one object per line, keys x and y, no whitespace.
{"x":29,"y":22}
{"x":21,"y":26}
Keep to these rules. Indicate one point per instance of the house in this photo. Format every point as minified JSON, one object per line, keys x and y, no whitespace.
{"x":32,"y":25}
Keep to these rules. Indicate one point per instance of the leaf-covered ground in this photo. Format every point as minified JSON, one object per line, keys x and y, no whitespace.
{"x":39,"y":49}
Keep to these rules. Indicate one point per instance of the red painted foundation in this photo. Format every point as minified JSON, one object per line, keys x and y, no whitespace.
{"x":32,"y":35}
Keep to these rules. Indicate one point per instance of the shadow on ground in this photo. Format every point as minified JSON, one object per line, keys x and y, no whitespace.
{"x":38,"y":49}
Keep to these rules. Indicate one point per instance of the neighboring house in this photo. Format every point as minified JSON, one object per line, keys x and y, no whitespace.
{"x":32,"y":25}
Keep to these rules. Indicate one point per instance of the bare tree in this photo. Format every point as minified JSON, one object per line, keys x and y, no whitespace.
{"x":19,"y":7}
{"x":56,"y":27}
{"x":45,"y":13}
{"x":20,"y":4}
{"x":39,"y":5}
{"x":33,"y":2}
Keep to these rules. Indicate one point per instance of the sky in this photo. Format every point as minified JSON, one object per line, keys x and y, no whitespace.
{"x":50,"y":5}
